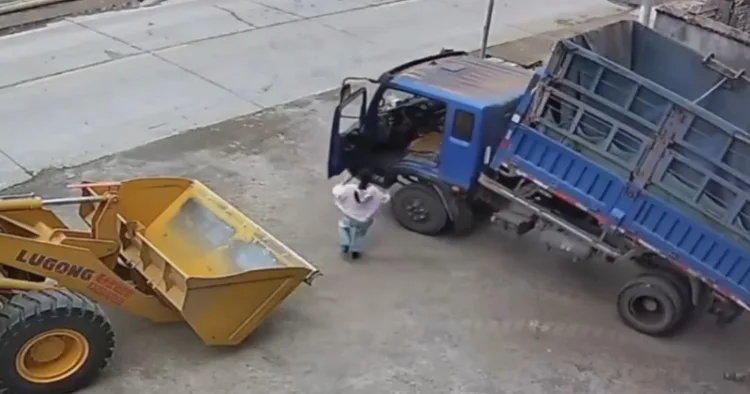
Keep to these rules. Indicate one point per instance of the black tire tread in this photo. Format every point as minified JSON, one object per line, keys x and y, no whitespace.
{"x":464,"y":224}
{"x":35,"y":308}
{"x":672,"y":292}
{"x":682,"y":286}
{"x":428,"y":191}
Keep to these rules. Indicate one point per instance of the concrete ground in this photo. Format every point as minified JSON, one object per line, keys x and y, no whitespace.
{"x":114,"y":81}
{"x":488,"y":314}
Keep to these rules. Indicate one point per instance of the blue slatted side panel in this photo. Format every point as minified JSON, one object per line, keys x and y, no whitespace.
{"x":564,"y":170}
{"x":721,"y":260}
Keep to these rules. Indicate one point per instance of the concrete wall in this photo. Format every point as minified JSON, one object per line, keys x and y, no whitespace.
{"x":680,"y":22}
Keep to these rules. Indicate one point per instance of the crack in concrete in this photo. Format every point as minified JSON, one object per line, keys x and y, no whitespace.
{"x":195,"y":41}
{"x":235,"y":16}
{"x":182,"y":68}
{"x":313,"y":18}
{"x":17,"y":163}
{"x":68,"y":71}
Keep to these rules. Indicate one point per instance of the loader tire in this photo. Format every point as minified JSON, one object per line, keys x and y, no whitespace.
{"x":52,"y":342}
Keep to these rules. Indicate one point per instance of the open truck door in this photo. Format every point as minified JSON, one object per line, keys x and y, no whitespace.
{"x":347,"y":118}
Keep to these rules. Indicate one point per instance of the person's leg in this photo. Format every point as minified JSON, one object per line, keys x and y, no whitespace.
{"x":345,"y":235}
{"x":359,"y":236}
{"x":355,"y":245}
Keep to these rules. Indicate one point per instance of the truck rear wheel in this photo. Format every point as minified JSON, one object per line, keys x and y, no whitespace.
{"x":418,"y":208}
{"x":651,"y":305}
{"x":52,"y":342}
{"x":682,"y":285}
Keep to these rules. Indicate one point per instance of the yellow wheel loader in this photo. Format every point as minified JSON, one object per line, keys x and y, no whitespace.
{"x":166,"y":249}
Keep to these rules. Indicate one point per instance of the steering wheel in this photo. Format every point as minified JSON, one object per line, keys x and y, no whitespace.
{"x":417,"y":111}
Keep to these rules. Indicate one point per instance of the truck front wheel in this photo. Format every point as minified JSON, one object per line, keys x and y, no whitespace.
{"x":651,"y":305}
{"x":418,"y":208}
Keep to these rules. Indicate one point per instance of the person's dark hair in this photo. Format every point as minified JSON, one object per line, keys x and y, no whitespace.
{"x":365,"y":177}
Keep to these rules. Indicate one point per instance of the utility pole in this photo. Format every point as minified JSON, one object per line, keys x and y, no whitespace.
{"x":644,"y":13}
{"x":486,"y":31}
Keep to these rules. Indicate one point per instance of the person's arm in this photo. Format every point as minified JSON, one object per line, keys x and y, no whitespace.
{"x":340,"y":192}
{"x":338,"y":189}
{"x":384,"y":195}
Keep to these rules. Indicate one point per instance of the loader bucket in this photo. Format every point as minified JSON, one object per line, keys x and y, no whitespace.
{"x":218,"y":268}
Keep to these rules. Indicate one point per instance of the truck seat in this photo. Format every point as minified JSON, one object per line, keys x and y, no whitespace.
{"x":427,"y":143}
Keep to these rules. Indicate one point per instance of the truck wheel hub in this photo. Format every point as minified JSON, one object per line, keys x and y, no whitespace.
{"x":416,"y":211}
{"x":646,"y":309}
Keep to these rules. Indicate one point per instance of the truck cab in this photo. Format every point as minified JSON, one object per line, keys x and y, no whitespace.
{"x":432,"y":126}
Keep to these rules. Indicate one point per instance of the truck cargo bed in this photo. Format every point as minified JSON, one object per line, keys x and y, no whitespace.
{"x":699,"y":249}
{"x":654,"y":111}
{"x":650,"y":136}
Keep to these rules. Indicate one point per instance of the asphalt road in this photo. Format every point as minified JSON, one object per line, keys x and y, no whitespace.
{"x":487,"y":314}
{"x":95,"y":85}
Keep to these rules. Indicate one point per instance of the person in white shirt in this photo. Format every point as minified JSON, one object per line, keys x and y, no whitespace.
{"x":358,"y":204}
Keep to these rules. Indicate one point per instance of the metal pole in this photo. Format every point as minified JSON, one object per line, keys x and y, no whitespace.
{"x":644,"y":13}
{"x":16,"y":196}
{"x":72,"y":200}
{"x":487,"y":24}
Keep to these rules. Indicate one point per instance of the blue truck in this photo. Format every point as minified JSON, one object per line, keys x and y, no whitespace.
{"x":626,"y":146}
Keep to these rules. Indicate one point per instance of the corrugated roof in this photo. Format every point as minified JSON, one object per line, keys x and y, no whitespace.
{"x":468,"y":76}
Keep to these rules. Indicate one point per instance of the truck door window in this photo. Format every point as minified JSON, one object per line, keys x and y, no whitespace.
{"x":352,"y":110}
{"x":463,"y":126}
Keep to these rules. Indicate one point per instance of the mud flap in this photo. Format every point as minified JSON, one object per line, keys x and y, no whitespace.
{"x":459,"y":211}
